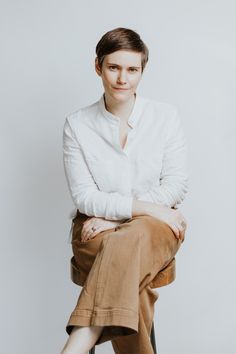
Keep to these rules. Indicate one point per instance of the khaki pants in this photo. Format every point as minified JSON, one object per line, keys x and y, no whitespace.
{"x":116,"y":269}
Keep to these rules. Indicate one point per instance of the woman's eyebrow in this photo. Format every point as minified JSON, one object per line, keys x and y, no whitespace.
{"x":132,"y":66}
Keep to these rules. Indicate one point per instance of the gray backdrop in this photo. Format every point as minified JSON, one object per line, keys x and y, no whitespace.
{"x":47,"y":71}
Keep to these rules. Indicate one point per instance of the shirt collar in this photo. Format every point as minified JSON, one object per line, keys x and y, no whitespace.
{"x":134,"y":116}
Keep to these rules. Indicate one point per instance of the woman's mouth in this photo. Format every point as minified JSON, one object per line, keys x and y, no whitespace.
{"x":120,"y":89}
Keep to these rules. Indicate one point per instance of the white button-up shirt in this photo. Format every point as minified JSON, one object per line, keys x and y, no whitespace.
{"x":103,"y":178}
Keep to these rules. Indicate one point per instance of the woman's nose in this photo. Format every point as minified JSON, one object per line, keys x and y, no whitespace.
{"x":122,"y":77}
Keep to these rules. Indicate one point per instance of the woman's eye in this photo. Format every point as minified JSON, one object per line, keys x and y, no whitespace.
{"x":112,"y":67}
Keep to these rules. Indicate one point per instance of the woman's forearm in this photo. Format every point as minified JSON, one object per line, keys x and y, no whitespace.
{"x":140,"y":207}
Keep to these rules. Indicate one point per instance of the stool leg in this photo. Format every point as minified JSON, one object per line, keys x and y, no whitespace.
{"x":153,"y":340}
{"x":92,"y":351}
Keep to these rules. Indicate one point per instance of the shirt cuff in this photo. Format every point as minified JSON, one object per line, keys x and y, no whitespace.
{"x":120,"y":208}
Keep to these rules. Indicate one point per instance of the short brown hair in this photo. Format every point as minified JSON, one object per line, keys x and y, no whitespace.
{"x":121,"y":38}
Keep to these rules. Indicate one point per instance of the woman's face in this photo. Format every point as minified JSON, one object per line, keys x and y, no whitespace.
{"x":121,"y":72}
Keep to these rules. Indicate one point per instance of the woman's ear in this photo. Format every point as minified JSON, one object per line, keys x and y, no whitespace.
{"x":97,"y":67}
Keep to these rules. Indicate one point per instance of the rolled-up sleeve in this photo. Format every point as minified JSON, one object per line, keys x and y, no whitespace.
{"x":87,"y":198}
{"x":172,"y":186}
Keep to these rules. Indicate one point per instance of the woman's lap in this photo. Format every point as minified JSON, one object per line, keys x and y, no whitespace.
{"x":157,"y":241}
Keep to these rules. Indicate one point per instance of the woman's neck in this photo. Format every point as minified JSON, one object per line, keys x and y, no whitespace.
{"x":120,"y":109}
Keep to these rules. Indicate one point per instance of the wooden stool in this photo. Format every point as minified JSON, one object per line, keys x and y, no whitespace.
{"x":164,"y":277}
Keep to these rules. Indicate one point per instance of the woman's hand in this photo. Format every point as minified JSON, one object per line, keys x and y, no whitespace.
{"x":94,"y":225}
{"x":172,"y":217}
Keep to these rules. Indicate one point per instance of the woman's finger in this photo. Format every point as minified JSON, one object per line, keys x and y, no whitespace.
{"x":181,"y":231}
{"x":97,"y":231}
{"x":90,"y":226}
{"x":182,"y":221}
{"x":86,"y":230}
{"x":84,"y":233}
{"x":94,"y":226}
{"x":85,"y":236}
{"x":175,"y":230}
{"x":90,"y":234}
{"x":181,"y":227}
{"x":182,"y":235}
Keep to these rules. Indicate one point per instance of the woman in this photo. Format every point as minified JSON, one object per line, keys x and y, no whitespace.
{"x":125,"y":163}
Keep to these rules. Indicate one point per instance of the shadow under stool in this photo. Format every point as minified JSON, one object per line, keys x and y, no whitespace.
{"x":164,"y":277}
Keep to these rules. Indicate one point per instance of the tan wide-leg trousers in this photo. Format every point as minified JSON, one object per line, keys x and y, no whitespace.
{"x":116,"y":269}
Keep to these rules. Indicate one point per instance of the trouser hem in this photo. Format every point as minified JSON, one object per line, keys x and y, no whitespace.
{"x":116,"y":322}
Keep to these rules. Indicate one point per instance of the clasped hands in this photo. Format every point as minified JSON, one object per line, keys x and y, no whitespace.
{"x":173,"y":217}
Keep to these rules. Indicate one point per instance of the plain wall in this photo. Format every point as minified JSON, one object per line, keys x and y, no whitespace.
{"x":47,"y":71}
